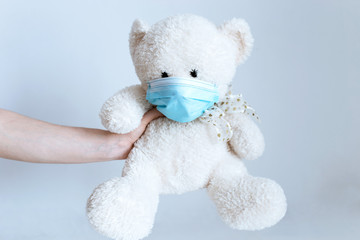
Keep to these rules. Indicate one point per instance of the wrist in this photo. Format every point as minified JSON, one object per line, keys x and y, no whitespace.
{"x":117,"y":147}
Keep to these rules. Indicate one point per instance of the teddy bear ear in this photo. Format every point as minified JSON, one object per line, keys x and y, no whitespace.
{"x":239,"y":31}
{"x":138,"y":31}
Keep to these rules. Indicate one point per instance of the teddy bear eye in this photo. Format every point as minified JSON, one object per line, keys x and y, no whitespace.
{"x":193,"y":73}
{"x":164,"y":75}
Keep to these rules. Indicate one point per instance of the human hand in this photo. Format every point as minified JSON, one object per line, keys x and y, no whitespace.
{"x":125,"y":142}
{"x":30,"y":140}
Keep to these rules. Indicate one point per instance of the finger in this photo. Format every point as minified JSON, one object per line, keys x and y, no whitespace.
{"x":147,"y":118}
{"x":151,"y":115}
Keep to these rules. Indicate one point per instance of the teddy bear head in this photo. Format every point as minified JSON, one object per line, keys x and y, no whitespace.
{"x":190,"y":46}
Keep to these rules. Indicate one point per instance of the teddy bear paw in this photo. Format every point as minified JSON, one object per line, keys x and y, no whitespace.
{"x":117,"y":122}
{"x":119,"y":212}
{"x":249,"y":203}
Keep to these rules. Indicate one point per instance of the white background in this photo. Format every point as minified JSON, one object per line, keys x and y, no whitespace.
{"x":60,"y":60}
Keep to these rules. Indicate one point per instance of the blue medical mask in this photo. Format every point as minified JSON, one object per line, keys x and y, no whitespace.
{"x":181,"y":99}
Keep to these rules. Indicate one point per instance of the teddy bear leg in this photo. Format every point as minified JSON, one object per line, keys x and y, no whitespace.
{"x":245,"y":202}
{"x":124,"y":208}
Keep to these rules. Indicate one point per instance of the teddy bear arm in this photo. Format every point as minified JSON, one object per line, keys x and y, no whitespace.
{"x":247,"y":141}
{"x":123,"y":112}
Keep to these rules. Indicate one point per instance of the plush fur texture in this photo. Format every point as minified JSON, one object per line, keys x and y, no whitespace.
{"x":173,"y":157}
{"x":122,"y":112}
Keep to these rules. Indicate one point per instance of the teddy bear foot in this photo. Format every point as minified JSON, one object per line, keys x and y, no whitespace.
{"x":248,"y":203}
{"x":123,"y":210}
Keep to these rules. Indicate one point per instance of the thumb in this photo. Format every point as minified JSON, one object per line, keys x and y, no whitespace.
{"x":147,"y":118}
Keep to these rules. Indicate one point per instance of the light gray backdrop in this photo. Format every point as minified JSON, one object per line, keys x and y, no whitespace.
{"x":60,"y":60}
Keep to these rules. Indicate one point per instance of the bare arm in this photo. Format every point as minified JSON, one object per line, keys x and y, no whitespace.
{"x":26,"y":139}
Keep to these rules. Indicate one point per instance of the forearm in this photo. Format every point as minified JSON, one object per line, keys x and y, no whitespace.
{"x":26,"y":139}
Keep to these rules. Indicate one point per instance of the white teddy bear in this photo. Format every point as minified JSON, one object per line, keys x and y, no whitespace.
{"x":174,"y":157}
